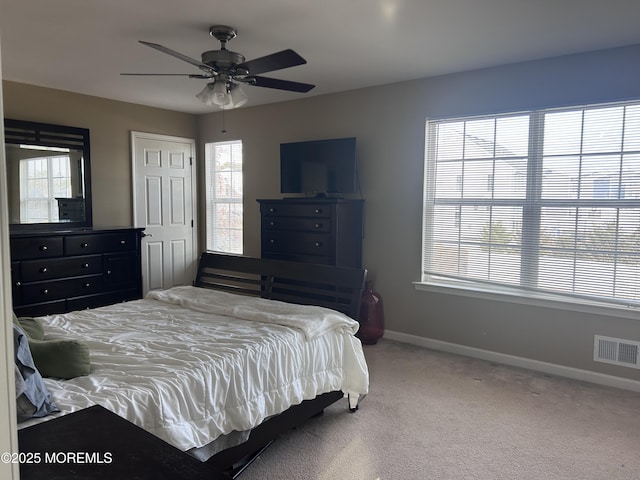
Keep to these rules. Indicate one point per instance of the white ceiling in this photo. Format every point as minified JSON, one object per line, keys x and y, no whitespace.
{"x":84,"y":45}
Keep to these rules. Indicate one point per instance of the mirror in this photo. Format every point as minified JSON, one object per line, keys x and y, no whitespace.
{"x":48,"y":176}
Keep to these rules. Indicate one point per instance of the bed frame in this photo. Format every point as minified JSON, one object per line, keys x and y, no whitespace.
{"x":339,"y":288}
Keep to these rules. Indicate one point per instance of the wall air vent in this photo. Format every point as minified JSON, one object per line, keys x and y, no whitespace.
{"x":616,"y":351}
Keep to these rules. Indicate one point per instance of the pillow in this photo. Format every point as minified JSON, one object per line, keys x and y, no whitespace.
{"x":54,"y":358}
{"x":31,"y":327}
{"x":61,"y":358}
{"x":32,"y":397}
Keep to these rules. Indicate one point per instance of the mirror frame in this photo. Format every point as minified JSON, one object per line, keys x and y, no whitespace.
{"x":35,"y":133}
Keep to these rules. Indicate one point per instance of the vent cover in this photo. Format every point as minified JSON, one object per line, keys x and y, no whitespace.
{"x":616,"y":351}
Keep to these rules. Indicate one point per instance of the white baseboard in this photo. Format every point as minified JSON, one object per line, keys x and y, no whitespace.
{"x":550,"y":368}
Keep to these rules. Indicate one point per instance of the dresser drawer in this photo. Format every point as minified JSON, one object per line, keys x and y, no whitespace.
{"x":45,"y":269}
{"x":36,"y":247}
{"x":39,"y":309}
{"x":294,"y":257}
{"x":121,"y":270}
{"x":111,"y":242}
{"x":296,"y":210}
{"x":302,"y":243}
{"x":15,"y":282}
{"x":37,"y":292}
{"x":100,"y":300}
{"x":300,"y":224}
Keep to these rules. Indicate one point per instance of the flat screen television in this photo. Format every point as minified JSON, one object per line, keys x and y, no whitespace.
{"x":320,"y":167}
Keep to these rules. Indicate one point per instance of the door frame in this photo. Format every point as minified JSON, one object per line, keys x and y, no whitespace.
{"x":8,"y":411}
{"x":135,"y":135}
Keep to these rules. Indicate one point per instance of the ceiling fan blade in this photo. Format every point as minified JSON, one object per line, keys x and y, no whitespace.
{"x":178,"y":55}
{"x":190,"y":75}
{"x":275,"y":61}
{"x":280,"y":84}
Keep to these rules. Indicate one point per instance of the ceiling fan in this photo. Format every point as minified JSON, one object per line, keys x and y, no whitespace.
{"x":228,"y":70}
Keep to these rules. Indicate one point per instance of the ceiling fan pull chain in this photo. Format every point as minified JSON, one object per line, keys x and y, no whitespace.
{"x":224,"y":130}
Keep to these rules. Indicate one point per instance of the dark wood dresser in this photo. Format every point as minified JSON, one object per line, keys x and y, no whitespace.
{"x":61,"y":271}
{"x":326,"y":231}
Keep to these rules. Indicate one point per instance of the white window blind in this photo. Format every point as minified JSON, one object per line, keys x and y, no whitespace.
{"x":544,"y":201}
{"x":223,"y":172}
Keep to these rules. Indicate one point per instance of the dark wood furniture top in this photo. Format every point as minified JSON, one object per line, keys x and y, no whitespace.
{"x":317,"y":230}
{"x":95,"y":444}
{"x":57,"y":272}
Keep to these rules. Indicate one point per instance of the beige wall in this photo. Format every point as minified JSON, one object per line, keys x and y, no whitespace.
{"x":110,"y":124}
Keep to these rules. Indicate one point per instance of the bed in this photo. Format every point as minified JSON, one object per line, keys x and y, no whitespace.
{"x":220,"y":368}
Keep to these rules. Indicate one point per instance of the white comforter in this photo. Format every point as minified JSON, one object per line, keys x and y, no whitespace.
{"x":176,"y":364}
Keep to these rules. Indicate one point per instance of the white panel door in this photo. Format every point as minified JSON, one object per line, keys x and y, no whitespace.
{"x":164,"y":205}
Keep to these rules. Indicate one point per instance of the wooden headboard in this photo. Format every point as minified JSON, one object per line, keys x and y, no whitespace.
{"x":339,"y":288}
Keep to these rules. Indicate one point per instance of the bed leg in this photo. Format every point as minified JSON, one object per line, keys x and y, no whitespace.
{"x":353,"y":402}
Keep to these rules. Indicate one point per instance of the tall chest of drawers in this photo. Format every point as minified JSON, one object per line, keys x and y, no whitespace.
{"x":57,"y":272}
{"x":326,"y":231}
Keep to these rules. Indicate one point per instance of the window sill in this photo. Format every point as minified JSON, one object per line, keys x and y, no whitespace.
{"x":532,"y":298}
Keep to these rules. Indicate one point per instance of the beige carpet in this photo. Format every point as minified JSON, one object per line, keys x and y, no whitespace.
{"x":433,"y":415}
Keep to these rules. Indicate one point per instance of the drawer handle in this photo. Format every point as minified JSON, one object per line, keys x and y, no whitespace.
{"x":43,"y":270}
{"x":108,"y":272}
{"x":84,"y":245}
{"x":272,"y":241}
{"x":318,"y":244}
{"x":273,"y":209}
{"x":86,"y":285}
{"x":18,"y":284}
{"x":272,"y":223}
{"x":318,"y":225}
{"x":44,"y":292}
{"x":122,"y":242}
{"x":317,"y":210}
{"x":85,"y":265}
{"x":43,"y":248}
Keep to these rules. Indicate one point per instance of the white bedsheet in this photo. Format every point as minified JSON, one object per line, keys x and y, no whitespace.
{"x":177,"y":365}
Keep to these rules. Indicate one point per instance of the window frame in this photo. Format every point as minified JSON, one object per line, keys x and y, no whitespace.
{"x":532,"y":205}
{"x":211,"y":202}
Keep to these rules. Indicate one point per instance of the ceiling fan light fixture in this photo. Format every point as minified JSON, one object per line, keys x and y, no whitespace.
{"x":220,"y":95}
{"x":223,"y":94}
{"x":237,"y":95}
{"x":205,"y":96}
{"x":215,"y":93}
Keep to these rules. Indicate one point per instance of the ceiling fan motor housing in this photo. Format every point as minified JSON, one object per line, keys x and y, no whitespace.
{"x":223,"y":59}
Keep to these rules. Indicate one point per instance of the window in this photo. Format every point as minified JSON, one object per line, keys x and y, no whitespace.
{"x":560,"y":214}
{"x":223,"y":171}
{"x":43,"y":179}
